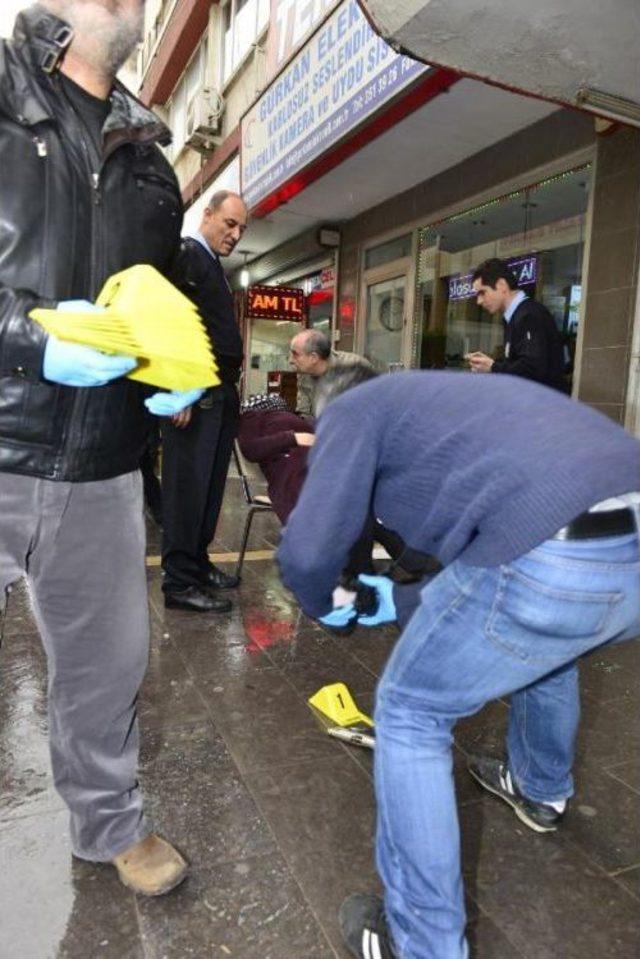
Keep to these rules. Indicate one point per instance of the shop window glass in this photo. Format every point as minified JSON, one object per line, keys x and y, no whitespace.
{"x":387,"y":252}
{"x":385,"y":322}
{"x":268,"y":340}
{"x":319,"y":288}
{"x":268,"y":351}
{"x":538,"y":230}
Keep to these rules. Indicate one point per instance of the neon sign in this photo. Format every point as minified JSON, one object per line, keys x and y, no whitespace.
{"x":276,"y":303}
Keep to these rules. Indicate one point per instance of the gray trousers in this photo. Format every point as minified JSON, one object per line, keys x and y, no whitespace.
{"x":81,"y":548}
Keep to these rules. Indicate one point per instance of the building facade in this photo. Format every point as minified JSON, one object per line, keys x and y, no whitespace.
{"x":377,"y":183}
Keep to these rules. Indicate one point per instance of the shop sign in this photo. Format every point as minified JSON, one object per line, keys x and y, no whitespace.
{"x":328,"y":278}
{"x":276,"y":303}
{"x":291,"y":22}
{"x":311,"y":283}
{"x":524,"y":268}
{"x":342,"y":75}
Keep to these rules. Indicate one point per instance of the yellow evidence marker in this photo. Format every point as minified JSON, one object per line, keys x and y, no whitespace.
{"x":337,"y":704}
{"x":144,"y":316}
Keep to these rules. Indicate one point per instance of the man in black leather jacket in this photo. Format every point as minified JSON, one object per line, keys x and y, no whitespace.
{"x":84,"y":193}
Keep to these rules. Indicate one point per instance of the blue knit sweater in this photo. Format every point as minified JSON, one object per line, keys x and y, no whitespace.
{"x":476,"y":468}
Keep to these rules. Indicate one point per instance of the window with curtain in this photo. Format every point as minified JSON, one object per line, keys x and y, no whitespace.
{"x":243,"y":22}
{"x":192,"y":80}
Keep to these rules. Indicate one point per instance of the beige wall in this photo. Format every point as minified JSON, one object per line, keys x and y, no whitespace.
{"x":240,"y":92}
{"x":186,"y":165}
{"x":612,"y":274}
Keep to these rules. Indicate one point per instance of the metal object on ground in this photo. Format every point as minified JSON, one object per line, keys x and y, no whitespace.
{"x":355,"y":737}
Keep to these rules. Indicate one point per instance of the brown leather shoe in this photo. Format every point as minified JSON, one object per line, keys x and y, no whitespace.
{"x":151,"y":867}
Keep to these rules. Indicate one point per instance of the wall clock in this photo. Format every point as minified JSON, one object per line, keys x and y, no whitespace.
{"x":391,"y":314}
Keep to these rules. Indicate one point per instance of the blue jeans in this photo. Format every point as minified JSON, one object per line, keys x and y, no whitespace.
{"x":479,"y":634}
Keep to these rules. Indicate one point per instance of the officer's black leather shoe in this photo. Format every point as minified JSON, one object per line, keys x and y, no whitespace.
{"x":196,"y":601}
{"x":221,"y":580}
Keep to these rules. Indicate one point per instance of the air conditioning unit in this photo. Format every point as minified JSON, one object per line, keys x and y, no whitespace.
{"x":204,"y":115}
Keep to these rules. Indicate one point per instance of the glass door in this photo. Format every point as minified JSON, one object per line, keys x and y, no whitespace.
{"x":268,"y":351}
{"x":387,"y":310}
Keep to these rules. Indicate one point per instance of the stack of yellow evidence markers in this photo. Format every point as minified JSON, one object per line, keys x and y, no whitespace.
{"x":146,"y":317}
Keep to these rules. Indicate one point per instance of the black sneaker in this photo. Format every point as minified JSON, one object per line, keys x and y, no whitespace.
{"x":364,"y":928}
{"x":494,"y":776}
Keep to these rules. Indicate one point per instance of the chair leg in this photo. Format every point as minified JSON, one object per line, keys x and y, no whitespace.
{"x":245,"y":540}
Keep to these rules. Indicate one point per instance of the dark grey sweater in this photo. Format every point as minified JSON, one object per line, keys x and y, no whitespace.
{"x":475,"y":468}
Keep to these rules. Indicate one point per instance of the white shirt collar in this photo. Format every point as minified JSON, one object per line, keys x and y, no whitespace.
{"x":513,"y":306}
{"x":198,"y":237}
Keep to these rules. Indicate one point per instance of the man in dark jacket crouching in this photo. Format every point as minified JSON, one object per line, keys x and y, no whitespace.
{"x":84,"y":193}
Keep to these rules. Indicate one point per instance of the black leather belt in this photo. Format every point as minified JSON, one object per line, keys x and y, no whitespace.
{"x":615,"y":522}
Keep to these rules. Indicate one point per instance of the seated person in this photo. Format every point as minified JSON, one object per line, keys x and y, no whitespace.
{"x":278,"y":440}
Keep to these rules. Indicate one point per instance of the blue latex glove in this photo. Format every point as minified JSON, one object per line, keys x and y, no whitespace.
{"x":79,"y":306}
{"x":340,"y":616}
{"x":168,"y":404}
{"x":386,"y":611}
{"x":74,"y":365}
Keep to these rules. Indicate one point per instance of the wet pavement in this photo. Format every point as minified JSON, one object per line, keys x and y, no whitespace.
{"x":277,"y":819}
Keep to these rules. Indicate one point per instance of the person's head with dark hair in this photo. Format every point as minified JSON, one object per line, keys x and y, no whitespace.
{"x":339,"y":379}
{"x":224,"y":220}
{"x":495,"y":285}
{"x":310,"y":352}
